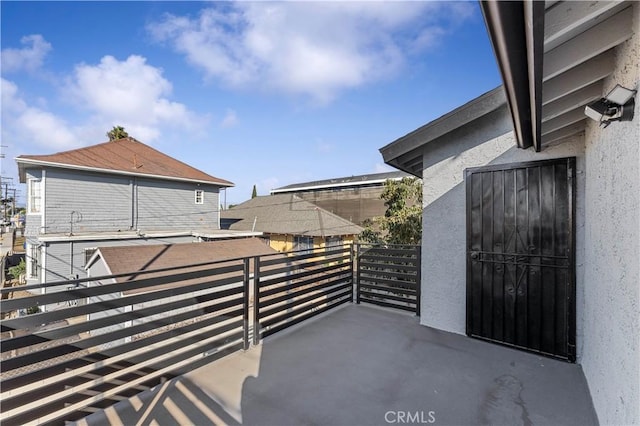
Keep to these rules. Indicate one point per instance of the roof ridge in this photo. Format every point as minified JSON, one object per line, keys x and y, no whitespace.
{"x":116,"y":156}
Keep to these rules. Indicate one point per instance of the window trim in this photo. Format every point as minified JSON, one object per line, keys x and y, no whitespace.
{"x":199,"y":196}
{"x":92,"y":251}
{"x":34,"y":183}
{"x":32,"y":261}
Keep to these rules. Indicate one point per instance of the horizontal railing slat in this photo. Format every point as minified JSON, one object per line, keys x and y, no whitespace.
{"x":335,"y":286}
{"x":98,"y":290}
{"x":57,"y":363}
{"x":291,"y":313}
{"x":387,"y":266}
{"x":299,"y":257}
{"x":387,"y":275}
{"x":43,"y":359}
{"x":88,"y":325}
{"x":389,"y":305}
{"x":372,"y":294}
{"x":291,"y":295}
{"x":309,"y":266}
{"x":268,"y":281}
{"x":304,"y":317}
{"x":408,"y":291}
{"x":300,"y":283}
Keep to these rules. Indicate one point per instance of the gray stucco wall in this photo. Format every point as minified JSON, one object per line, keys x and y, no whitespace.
{"x":487,"y":141}
{"x":106,"y":202}
{"x":611,"y":360}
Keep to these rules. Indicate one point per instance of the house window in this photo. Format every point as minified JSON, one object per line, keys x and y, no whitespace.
{"x":88,"y":253}
{"x":302,"y":243}
{"x":199,"y":196}
{"x":333,"y":242}
{"x":35,"y":195}
{"x":32,"y":262}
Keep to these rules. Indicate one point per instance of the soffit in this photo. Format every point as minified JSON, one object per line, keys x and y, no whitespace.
{"x":579,"y":42}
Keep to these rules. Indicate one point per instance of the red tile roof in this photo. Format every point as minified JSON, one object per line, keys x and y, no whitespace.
{"x":127,"y":156}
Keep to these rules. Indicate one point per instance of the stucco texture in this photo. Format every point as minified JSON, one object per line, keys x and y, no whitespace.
{"x":489,"y":140}
{"x":611,"y":359}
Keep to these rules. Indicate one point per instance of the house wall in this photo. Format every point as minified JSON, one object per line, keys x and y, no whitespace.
{"x":58,"y":258}
{"x":106,"y":202}
{"x":489,"y":140}
{"x":285,"y":242}
{"x":611,"y":359}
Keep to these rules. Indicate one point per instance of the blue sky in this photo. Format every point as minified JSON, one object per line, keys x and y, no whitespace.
{"x":253,"y":92}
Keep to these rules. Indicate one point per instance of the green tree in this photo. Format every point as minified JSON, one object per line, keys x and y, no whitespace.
{"x":116,"y":133}
{"x":402,"y":221}
{"x":254,"y":193}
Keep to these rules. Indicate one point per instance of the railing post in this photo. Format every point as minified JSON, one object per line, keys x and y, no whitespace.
{"x":356,"y":265}
{"x":351,"y":258}
{"x":418,"y":278}
{"x":256,"y":300}
{"x":245,"y":309}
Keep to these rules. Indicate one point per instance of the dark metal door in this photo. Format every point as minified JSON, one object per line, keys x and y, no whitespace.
{"x":520,"y":255}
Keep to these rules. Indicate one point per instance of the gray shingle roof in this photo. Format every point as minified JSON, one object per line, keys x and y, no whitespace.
{"x":288,"y":214}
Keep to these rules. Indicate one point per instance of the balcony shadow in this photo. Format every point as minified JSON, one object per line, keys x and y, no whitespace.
{"x":176,"y":402}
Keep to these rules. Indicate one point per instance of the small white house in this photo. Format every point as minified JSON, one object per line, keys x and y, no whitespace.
{"x":531,"y":216}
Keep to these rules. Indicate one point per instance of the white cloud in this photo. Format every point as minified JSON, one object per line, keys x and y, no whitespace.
{"x":29,"y":58}
{"x":307,"y":48}
{"x":22,"y":123}
{"x":130,"y":93}
{"x":230,"y":119}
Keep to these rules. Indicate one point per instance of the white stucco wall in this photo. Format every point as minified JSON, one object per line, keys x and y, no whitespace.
{"x":611,"y":360}
{"x":487,"y":141}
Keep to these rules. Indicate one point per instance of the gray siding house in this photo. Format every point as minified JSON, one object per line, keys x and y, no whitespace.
{"x":116,"y":193}
{"x":531,"y":214}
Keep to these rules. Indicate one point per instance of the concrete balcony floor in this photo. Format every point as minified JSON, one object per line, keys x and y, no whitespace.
{"x":361,"y":365}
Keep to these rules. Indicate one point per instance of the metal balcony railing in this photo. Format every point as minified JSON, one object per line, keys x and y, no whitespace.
{"x":78,"y":346}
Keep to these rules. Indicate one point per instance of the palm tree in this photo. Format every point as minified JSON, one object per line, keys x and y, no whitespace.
{"x":116,"y":133}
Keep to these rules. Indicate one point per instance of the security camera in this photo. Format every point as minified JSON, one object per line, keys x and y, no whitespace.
{"x":618,"y":105}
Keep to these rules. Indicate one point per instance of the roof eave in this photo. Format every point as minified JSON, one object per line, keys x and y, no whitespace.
{"x":516,"y":31}
{"x":29,"y":161}
{"x":405,"y":153}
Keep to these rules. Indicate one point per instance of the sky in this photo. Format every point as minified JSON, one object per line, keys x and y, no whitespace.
{"x":257,"y":93}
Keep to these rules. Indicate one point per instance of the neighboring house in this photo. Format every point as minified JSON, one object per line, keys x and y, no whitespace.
{"x":355,"y":198}
{"x":121,"y":192}
{"x":290,"y":223}
{"x":170,"y":259}
{"x":537,"y":248}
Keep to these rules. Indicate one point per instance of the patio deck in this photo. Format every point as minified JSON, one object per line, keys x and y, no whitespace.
{"x":362,"y":365}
